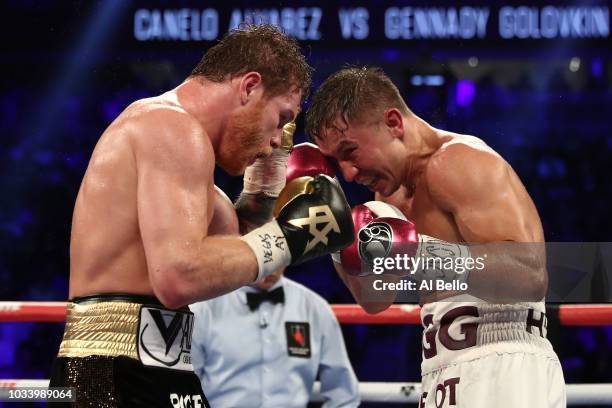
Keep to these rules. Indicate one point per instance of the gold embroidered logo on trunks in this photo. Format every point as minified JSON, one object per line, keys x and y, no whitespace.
{"x":164,"y":338}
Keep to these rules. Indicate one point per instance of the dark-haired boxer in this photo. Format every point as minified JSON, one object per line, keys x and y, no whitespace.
{"x":484,"y":346}
{"x":141,"y":243}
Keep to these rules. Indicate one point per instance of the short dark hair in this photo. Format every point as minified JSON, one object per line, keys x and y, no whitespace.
{"x":260,"y":48}
{"x":351,"y":93}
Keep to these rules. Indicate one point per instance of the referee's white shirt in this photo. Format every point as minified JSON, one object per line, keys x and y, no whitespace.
{"x":248,"y":359}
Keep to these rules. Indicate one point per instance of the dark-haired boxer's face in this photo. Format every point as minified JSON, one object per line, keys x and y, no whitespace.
{"x":367,"y":154}
{"x":255,"y":130}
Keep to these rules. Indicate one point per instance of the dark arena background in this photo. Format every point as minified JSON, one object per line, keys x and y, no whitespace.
{"x":534,"y":80}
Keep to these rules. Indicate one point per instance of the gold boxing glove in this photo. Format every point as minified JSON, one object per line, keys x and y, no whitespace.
{"x":311,"y":219}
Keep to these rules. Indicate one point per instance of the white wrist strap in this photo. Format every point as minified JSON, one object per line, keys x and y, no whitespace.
{"x":270,"y":247}
{"x":267,"y":175}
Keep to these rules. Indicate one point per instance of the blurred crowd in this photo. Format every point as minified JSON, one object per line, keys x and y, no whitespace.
{"x":556,"y":137}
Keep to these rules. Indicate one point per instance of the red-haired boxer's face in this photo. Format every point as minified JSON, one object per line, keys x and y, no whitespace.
{"x":370,"y":154}
{"x":255,"y":130}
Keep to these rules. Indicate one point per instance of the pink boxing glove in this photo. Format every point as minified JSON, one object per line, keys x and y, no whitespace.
{"x":380,"y":230}
{"x":387,"y":242}
{"x":307,"y":160}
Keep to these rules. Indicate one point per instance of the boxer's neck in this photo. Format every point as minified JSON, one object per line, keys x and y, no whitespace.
{"x":421,"y":140}
{"x":210,"y":103}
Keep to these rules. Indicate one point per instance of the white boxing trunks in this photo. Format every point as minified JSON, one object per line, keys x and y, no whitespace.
{"x":482,"y":355}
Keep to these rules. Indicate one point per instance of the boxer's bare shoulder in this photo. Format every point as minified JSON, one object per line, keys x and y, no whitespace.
{"x":164,"y":120}
{"x":463,"y":161}
{"x":155,"y":122}
{"x":452,"y":139}
{"x":469,"y":179}
{"x":162,"y":131}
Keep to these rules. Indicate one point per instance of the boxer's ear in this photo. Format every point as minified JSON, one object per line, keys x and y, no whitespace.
{"x":249,"y":83}
{"x":395,"y":122}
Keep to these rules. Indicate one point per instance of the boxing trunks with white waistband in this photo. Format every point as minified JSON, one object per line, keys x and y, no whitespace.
{"x":479,"y":354}
{"x":122,"y":350}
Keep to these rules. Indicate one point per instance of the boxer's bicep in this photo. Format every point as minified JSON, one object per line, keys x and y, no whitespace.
{"x":225,"y":219}
{"x":174,"y":178}
{"x":489,"y":214}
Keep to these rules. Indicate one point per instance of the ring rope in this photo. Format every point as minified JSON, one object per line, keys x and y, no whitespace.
{"x":402,"y":392}
{"x":569,"y":315}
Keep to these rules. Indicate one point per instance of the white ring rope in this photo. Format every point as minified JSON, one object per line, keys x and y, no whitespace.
{"x":404,"y":392}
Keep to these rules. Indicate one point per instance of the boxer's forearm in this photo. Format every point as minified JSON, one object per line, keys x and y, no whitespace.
{"x":362,"y":290}
{"x":191,"y":273}
{"x":512,"y":272}
{"x":253,"y":210}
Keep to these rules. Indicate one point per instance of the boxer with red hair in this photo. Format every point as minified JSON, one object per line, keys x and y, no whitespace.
{"x":142,"y":242}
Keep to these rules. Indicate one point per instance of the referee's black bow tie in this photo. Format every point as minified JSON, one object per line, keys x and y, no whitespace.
{"x":254,"y":299}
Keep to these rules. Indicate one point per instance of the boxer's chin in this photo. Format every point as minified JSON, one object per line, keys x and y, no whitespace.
{"x":242,"y":142}
{"x":235,"y":156}
{"x":234,"y":166}
{"x":387,"y":187}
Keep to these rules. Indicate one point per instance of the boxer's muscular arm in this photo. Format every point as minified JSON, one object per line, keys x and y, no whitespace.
{"x":175,"y":175}
{"x":224,"y":220}
{"x":491,"y":207}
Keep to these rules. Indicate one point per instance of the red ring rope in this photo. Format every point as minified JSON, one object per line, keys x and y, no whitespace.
{"x":569,"y":315}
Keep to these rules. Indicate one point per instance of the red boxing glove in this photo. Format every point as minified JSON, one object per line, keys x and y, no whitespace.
{"x":380,"y":230}
{"x":307,"y":160}
{"x":386,"y":242}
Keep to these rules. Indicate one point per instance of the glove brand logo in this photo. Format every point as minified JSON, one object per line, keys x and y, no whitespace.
{"x":374,"y":241}
{"x":165,"y":338}
{"x":320,"y":214}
